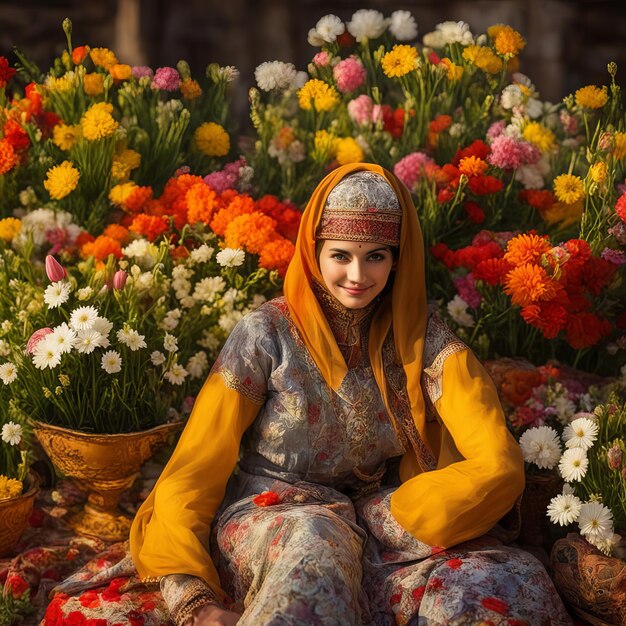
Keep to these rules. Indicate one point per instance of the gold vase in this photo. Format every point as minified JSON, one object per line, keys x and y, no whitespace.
{"x":14,"y":514}
{"x":105,"y":465}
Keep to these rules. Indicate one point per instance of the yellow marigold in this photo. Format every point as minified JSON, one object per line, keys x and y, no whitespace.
{"x":472,"y":166}
{"x":65,"y":136}
{"x":120,"y":71}
{"x":9,"y":228}
{"x":103,"y":57}
{"x":506,"y":40}
{"x":619,"y":151}
{"x":325,"y":145}
{"x":529,"y":283}
{"x":98,"y":123}
{"x":119,"y":193}
{"x":483,"y":58}
{"x":591,"y":97}
{"x":62,"y":83}
{"x":540,"y":136}
{"x":8,"y":158}
{"x":124,"y":163}
{"x":93,"y":84}
{"x":569,"y":188}
{"x":190,"y":89}
{"x":400,"y":60}
{"x":61,"y":180}
{"x":597,"y":172}
{"x":9,"y":487}
{"x":565,"y":214}
{"x":453,"y":72}
{"x":526,"y":248}
{"x":349,"y":151}
{"x":250,"y":232}
{"x":211,"y":139}
{"x":318,"y":95}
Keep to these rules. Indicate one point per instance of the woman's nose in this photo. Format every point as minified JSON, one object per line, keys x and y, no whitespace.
{"x":356,"y":272}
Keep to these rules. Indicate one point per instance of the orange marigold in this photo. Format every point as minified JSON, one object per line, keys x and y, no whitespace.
{"x":526,"y":248}
{"x":202,"y":203}
{"x":239,"y":205}
{"x":276,"y":255}
{"x":137,"y":199}
{"x":190,"y":89}
{"x":177,"y":187}
{"x":529,"y":283}
{"x":250,"y":232}
{"x":440,"y":123}
{"x":151,"y":226}
{"x":472,"y":166}
{"x":117,"y":232}
{"x":8,"y":158}
{"x":101,"y":247}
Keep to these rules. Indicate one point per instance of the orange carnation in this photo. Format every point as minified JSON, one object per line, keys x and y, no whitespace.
{"x":8,"y":158}
{"x":529,"y":283}
{"x":151,"y":226}
{"x":202,"y":203}
{"x":239,"y":205}
{"x":117,"y":232}
{"x":251,"y":232}
{"x":101,"y":247}
{"x":276,"y":255}
{"x":526,"y":248}
{"x":440,"y":123}
{"x":137,"y":199}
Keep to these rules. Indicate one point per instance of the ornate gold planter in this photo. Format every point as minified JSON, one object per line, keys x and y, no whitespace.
{"x":105,"y":466}
{"x":14,"y":514}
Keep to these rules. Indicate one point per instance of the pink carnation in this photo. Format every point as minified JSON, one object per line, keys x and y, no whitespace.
{"x":166,"y":78}
{"x":509,"y":153}
{"x":495,"y":130}
{"x":349,"y":74}
{"x":227,"y":178}
{"x":139,"y":71}
{"x":466,"y":288}
{"x":411,"y":168}
{"x":360,"y":109}
{"x":321,"y":59}
{"x":617,"y":257}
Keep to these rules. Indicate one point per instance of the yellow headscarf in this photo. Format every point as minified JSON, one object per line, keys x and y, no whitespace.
{"x":404,"y":309}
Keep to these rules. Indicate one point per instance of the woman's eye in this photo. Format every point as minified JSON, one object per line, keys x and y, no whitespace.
{"x":339,"y":257}
{"x":376,"y":257}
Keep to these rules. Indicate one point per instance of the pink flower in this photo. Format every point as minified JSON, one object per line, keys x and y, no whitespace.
{"x":58,"y":237}
{"x":569,"y":122}
{"x":619,"y":232}
{"x":349,"y":74}
{"x":617,"y":257}
{"x":321,"y":59}
{"x":221,"y":181}
{"x":378,"y":112}
{"x":166,"y":78}
{"x":509,"y":153}
{"x":54,"y":270}
{"x":496,"y":129}
{"x":411,"y":168}
{"x":360,"y":109}
{"x":466,"y":288}
{"x":35,"y":338}
{"x":119,"y":279}
{"x":139,"y":71}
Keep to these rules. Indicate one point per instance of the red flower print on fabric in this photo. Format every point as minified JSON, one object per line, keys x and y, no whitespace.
{"x":267,"y":498}
{"x":493,"y":604}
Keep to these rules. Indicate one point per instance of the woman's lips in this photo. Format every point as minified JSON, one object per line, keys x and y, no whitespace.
{"x":354,"y":292}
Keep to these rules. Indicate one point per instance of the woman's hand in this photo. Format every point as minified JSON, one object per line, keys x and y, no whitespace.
{"x":213,"y":615}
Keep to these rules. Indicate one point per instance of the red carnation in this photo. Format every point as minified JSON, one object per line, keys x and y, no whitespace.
{"x":549,"y":317}
{"x":16,"y":135}
{"x":541,"y":199}
{"x":596,"y":273}
{"x":620,"y":207}
{"x":492,"y":271}
{"x":6,"y":72}
{"x":477,"y":148}
{"x":474,"y":212}
{"x":17,"y":585}
{"x":586,"y":329}
{"x":485,"y":184}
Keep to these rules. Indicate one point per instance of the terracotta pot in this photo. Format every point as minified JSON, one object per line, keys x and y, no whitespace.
{"x":14,"y":514}
{"x":105,"y":465}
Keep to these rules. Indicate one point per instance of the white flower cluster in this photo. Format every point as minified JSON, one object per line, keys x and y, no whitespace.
{"x":275,"y":75}
{"x":39,"y":224}
{"x":457,"y":309}
{"x":449,"y":33}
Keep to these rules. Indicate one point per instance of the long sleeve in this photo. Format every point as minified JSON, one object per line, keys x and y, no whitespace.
{"x":464,"y":500}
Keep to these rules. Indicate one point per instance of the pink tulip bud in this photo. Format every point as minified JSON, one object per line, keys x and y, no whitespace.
{"x":35,"y":338}
{"x":614,"y":457}
{"x":119,"y":279}
{"x":54,"y":269}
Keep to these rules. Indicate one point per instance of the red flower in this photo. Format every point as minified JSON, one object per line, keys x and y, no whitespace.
{"x":454,"y":563}
{"x":549,"y":317}
{"x":596,"y":273}
{"x":346,"y":40}
{"x":79,"y":53}
{"x":267,"y":498}
{"x":474,"y":212}
{"x":483,"y":185}
{"x":620,"y":206}
{"x":16,"y":135}
{"x":477,"y":148}
{"x":450,"y":174}
{"x":541,"y":199}
{"x":17,"y":585}
{"x":494,"y":604}
{"x":111,"y":593}
{"x":444,"y":195}
{"x":433,"y":58}
{"x":586,"y":329}
{"x":74,"y":618}
{"x":6,"y":72}
{"x":492,"y":271}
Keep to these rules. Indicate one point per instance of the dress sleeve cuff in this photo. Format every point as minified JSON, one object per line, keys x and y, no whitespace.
{"x":183,"y":594}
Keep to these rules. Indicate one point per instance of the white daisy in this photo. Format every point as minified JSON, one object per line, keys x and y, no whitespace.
{"x":573,"y":464}
{"x":63,"y":337}
{"x":157,"y":358}
{"x":83,"y":318}
{"x":275,"y":75}
{"x":564,"y":509}
{"x":111,"y":362}
{"x":176,"y":374}
{"x":457,"y":308}
{"x":197,"y":364}
{"x":605,"y":543}
{"x":46,"y":354}
{"x":367,"y":24}
{"x":8,"y":373}
{"x":580,"y":433}
{"x":230,"y":257}
{"x":12,"y":433}
{"x":87,"y":341}
{"x":170,"y":343}
{"x":403,"y":26}
{"x":540,"y":445}
{"x":103,"y":326}
{"x":595,"y":520}
{"x":57,"y":294}
{"x":131,"y":338}
{"x":330,"y":27}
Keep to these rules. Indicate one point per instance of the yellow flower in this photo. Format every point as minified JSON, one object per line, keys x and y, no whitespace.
{"x":120,"y":71}
{"x":63,"y":83}
{"x":123,"y":163}
{"x":597,"y":172}
{"x":103,"y":57}
{"x":569,"y":188}
{"x":317,"y":94}
{"x":453,"y":72}
{"x":61,"y":180}
{"x":619,"y":151}
{"x":211,"y":139}
{"x":401,"y":60}
{"x":591,"y":97}
{"x":190,"y":89}
{"x":9,"y":487}
{"x":539,"y":136}
{"x":65,"y":136}
{"x":9,"y":228}
{"x":98,"y":123}
{"x":506,"y":40}
{"x":483,"y":58}
{"x":119,"y":193}
{"x":93,"y":84}
{"x":349,"y":151}
{"x":565,"y":214}
{"x":325,"y":145}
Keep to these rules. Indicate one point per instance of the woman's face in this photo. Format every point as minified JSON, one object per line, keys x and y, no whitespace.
{"x":355,"y":272}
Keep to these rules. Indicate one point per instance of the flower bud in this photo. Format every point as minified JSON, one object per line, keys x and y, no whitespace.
{"x":54,"y":269}
{"x":119,"y":279}
{"x":79,"y":53}
{"x":614,"y":457}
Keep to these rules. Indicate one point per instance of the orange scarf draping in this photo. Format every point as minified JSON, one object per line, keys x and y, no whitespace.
{"x":404,"y":310}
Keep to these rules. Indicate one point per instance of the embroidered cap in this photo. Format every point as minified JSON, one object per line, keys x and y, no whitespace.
{"x":362,"y":207}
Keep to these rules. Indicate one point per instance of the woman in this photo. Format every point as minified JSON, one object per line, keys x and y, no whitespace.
{"x":375,"y":462}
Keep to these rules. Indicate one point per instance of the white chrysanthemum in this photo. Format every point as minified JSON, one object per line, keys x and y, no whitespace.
{"x":63,"y":337}
{"x":329,"y":28}
{"x":84,"y":294}
{"x":595,"y":520}
{"x":46,"y":354}
{"x":301,"y":78}
{"x":573,"y":464}
{"x":176,"y":374}
{"x":157,"y":358}
{"x":448,"y":32}
{"x":564,"y":509}
{"x":103,"y":326}
{"x":144,"y":252}
{"x":83,"y":318}
{"x":403,"y":26}
{"x":275,"y":75}
{"x":367,"y":24}
{"x":87,"y":341}
{"x":171,"y":320}
{"x":511,"y":96}
{"x":207,"y":288}
{"x":457,"y":308}
{"x":12,"y":433}
{"x":228,"y":321}
{"x":180,"y":272}
{"x":201,"y":254}
{"x":57,"y":294}
{"x":314,"y":38}
{"x":111,"y":362}
{"x":209,"y":341}
{"x":605,"y":544}
{"x":8,"y":373}
{"x":580,"y":433}
{"x":230,"y":257}
{"x":197,"y":364}
{"x":540,"y":445}
{"x":131,"y":338}
{"x":170,"y":343}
